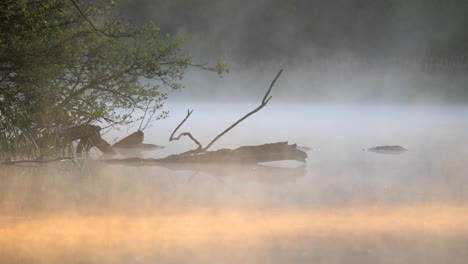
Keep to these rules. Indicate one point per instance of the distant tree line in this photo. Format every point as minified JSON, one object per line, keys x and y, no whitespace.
{"x":263,"y":29}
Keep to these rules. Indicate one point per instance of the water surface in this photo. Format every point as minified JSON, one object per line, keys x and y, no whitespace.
{"x":345,"y":205}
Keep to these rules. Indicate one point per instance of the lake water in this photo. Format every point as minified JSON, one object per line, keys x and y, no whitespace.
{"x":345,"y":205}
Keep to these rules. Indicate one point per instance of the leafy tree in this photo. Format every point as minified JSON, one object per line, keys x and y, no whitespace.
{"x":65,"y":63}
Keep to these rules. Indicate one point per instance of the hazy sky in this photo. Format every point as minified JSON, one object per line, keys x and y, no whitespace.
{"x":359,"y":49}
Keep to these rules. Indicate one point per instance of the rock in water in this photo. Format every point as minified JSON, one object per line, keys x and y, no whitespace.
{"x":394,"y":150}
{"x":134,"y":142}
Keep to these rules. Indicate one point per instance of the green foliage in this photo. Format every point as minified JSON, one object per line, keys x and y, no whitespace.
{"x":65,"y":63}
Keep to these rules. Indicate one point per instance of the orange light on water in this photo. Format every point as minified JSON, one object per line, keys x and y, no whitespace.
{"x":47,"y":235}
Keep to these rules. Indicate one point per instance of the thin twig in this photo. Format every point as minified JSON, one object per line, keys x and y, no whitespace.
{"x":263,"y":104}
{"x":200,"y":147}
{"x":265,"y":100}
{"x":189,"y":112}
{"x":190,"y":136}
{"x":143,"y":118}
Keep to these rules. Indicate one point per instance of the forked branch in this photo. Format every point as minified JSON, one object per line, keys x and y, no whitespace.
{"x":200,"y":147}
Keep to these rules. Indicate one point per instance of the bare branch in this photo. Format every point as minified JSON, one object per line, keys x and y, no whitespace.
{"x":143,"y":118}
{"x":189,"y":112}
{"x":263,"y":104}
{"x":265,"y":100}
{"x":191,"y":137}
{"x":200,"y":147}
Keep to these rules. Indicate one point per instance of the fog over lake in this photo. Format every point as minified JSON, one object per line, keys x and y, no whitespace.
{"x":344,"y":205}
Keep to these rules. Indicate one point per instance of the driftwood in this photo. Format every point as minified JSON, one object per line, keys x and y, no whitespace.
{"x":89,"y":136}
{"x":243,"y":155}
{"x":134,"y":141}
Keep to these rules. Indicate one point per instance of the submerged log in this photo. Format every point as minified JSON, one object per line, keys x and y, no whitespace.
{"x":243,"y":155}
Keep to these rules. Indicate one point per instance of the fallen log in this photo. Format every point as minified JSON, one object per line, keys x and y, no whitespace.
{"x":243,"y":155}
{"x":89,"y":136}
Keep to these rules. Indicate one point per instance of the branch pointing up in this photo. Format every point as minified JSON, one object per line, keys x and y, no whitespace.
{"x":263,"y":104}
{"x":265,"y":100}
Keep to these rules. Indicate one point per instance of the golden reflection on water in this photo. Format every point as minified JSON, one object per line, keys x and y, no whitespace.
{"x":48,"y":235}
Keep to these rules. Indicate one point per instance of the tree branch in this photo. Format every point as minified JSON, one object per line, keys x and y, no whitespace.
{"x":200,"y":147}
{"x":263,"y":104}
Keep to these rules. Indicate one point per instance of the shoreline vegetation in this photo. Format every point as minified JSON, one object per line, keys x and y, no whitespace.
{"x":79,"y":63}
